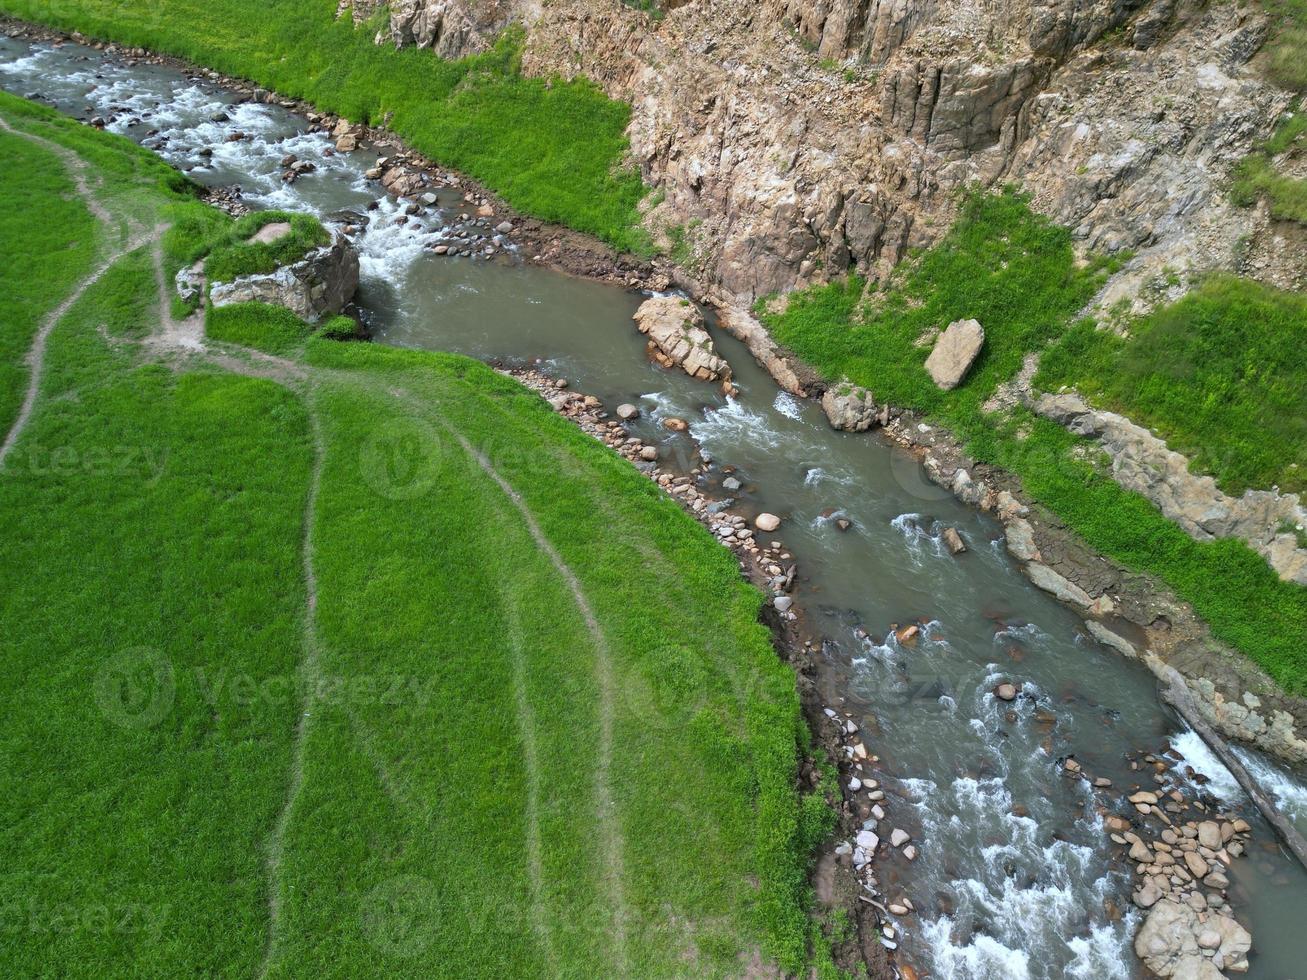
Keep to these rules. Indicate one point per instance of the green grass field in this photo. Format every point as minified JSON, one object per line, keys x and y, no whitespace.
{"x":1017,"y":274}
{"x":556,"y":150}
{"x":373,"y":667}
{"x":1220,"y":375}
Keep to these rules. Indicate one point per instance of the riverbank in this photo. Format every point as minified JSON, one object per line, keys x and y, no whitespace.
{"x":1185,"y":601}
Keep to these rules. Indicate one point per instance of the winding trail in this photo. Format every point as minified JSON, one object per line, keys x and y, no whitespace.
{"x":135,"y":238}
{"x":613,"y":842}
{"x":311,"y":679}
{"x":531,"y":763}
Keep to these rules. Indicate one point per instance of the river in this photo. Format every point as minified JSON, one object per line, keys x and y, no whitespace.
{"x":1016,"y":877}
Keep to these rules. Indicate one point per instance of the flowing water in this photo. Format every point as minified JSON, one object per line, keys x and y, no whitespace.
{"x":1015,"y":877}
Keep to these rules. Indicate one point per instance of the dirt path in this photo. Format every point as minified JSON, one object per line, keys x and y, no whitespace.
{"x":311,"y":680}
{"x":531,"y":763}
{"x":609,"y":823}
{"x":136,"y":237}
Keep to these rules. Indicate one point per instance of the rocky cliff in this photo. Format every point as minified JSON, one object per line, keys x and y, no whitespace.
{"x":794,"y":139}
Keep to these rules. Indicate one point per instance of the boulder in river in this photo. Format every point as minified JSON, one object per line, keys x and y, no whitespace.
{"x":1168,"y":942}
{"x":626,"y":412}
{"x":766,"y":522}
{"x":849,"y":407}
{"x":953,"y":541}
{"x":954,"y":352}
{"x":677,"y":338}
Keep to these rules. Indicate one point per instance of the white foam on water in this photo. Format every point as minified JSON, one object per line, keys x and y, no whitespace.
{"x":984,"y":958}
{"x":1024,"y":633}
{"x":922,"y":541}
{"x":23,"y":66}
{"x":1029,"y":905}
{"x":1290,"y":793}
{"x":1221,"y":781}
{"x":734,"y":423}
{"x":787,"y":405}
{"x":387,"y":249}
{"x":1101,"y":953}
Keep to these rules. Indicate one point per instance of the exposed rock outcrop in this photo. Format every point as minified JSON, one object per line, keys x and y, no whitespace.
{"x":1169,"y":942}
{"x":1143,"y":463}
{"x":317,"y":286}
{"x":677,"y":338}
{"x":849,"y":407}
{"x":795,"y":168}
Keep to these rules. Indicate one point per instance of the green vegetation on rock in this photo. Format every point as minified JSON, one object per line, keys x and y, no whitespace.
{"x":1257,"y":175}
{"x":496,"y":738}
{"x":554,"y":149}
{"x":1017,"y":274}
{"x":236,"y":254}
{"x":1287,"y":48}
{"x":1220,"y":375}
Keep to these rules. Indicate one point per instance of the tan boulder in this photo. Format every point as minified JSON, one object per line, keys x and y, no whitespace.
{"x":677,"y":338}
{"x":954,"y":352}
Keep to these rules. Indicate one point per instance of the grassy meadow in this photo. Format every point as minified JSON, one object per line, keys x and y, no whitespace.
{"x":552,"y":149}
{"x":373,"y":667}
{"x":1016,"y":273}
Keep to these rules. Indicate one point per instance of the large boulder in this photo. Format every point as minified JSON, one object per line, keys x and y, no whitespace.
{"x":314,"y":288}
{"x":849,"y":407}
{"x":1168,"y":944}
{"x":954,"y":352}
{"x":677,"y":338}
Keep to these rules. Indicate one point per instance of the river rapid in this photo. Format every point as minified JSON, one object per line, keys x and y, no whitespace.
{"x":1016,"y":876}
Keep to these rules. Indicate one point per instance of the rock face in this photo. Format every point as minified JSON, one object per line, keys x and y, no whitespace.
{"x":849,"y":407}
{"x":795,"y":139}
{"x":317,"y":286}
{"x":1143,"y":463}
{"x":797,"y":169}
{"x":677,"y":338}
{"x":451,"y":28}
{"x":954,"y":352}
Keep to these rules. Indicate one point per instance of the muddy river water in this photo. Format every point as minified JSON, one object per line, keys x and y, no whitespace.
{"x":1016,"y":876}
